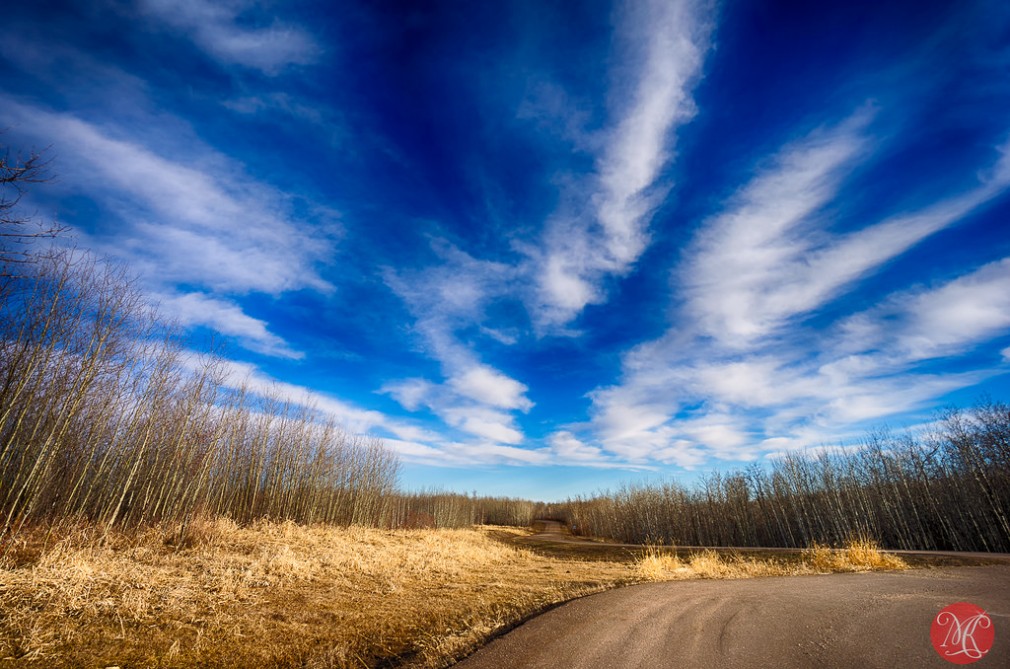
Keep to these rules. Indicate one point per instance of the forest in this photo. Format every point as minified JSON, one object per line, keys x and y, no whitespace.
{"x":109,"y":416}
{"x":946,"y":488}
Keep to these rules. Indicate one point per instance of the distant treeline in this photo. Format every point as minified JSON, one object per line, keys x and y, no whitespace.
{"x":441,"y":509}
{"x":945,"y":489}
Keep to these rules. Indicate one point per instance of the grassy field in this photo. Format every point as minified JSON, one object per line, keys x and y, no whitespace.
{"x":283,"y":595}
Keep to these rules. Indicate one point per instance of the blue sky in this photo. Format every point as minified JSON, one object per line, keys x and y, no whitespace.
{"x":538,"y":247}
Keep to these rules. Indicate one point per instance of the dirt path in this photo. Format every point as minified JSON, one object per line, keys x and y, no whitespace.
{"x":837,"y":620}
{"x":551,"y":531}
{"x":830,"y":621}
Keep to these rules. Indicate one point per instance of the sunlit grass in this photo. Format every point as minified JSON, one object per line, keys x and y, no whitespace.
{"x":663,"y":563}
{"x":859,"y":554}
{"x":274,"y":595}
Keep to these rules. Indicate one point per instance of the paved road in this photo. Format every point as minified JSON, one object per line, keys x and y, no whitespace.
{"x":826,"y":622}
{"x":829,"y":621}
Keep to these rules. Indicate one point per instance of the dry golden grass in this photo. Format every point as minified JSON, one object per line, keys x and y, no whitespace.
{"x":659,"y":565}
{"x":663,"y":564}
{"x":275,"y":595}
{"x":283,"y":595}
{"x":859,"y":554}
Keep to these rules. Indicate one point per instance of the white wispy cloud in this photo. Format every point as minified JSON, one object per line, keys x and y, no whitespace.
{"x":247,"y":376}
{"x":490,"y":444}
{"x":768,"y":258}
{"x":660,"y":53}
{"x":712,"y":405}
{"x":410,"y":441}
{"x":201,"y":223}
{"x":489,"y":386}
{"x":226,"y":317}
{"x":222,"y":28}
{"x":208,"y":226}
{"x":283,"y":103}
{"x":483,"y":411}
{"x":312,"y":117}
{"x":467,"y":454}
{"x":740,"y":374}
{"x":570,"y":449}
{"x":941,"y":321}
{"x":453,"y":293}
{"x":496,"y":426}
{"x":474,"y":397}
{"x":469,"y":413}
{"x":664,"y":44}
{"x":410,"y":393}
{"x":746,"y":267}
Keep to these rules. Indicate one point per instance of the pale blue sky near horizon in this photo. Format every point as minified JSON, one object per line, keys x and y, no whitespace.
{"x":542,"y":248}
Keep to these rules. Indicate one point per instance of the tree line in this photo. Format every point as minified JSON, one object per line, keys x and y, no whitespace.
{"x":106,"y":416}
{"x":446,"y":509}
{"x":947,"y":488}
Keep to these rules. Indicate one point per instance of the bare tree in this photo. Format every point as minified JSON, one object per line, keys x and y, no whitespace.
{"x":18,"y":230}
{"x":947,"y":489}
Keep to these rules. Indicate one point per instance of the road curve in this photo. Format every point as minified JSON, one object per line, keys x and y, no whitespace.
{"x":835,"y":620}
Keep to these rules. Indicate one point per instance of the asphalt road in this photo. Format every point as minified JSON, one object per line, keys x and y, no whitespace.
{"x":835,"y":620}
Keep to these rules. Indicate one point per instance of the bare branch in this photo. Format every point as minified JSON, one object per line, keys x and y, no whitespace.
{"x":18,"y":229}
